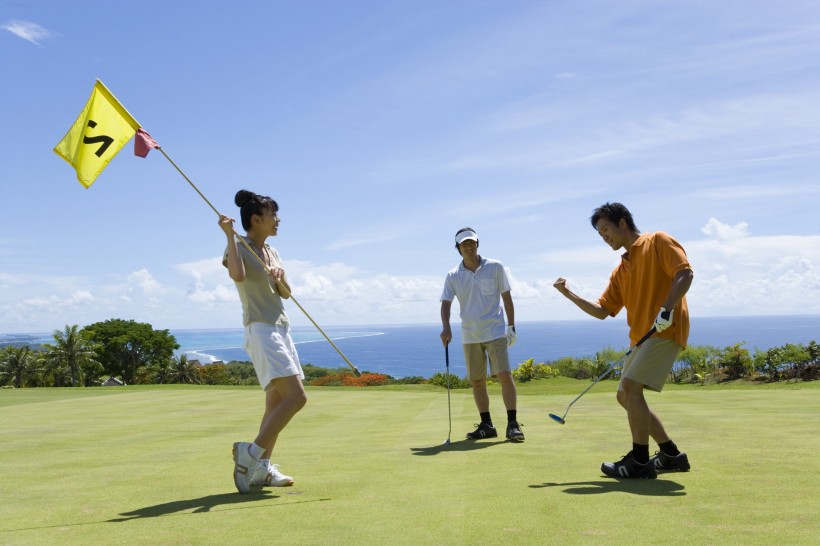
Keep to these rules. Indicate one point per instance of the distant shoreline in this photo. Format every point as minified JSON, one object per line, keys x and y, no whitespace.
{"x":416,"y":349}
{"x":327,"y":328}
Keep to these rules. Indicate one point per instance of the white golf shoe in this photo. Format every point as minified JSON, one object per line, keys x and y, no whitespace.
{"x":268,"y":475}
{"x":243,"y":462}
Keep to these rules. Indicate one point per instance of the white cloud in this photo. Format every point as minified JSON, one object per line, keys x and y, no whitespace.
{"x":519,"y":118}
{"x":144,"y":281}
{"x":52,"y":301}
{"x":333,"y":293}
{"x":27,"y":30}
{"x":735,"y":273}
{"x":791,"y":286}
{"x":207,"y":267}
{"x":198,"y":292}
{"x":210,"y":284}
{"x":716,"y":230}
{"x":56,"y":302}
{"x":343,"y":295}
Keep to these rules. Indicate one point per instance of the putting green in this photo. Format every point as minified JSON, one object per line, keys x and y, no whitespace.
{"x":152,"y":465}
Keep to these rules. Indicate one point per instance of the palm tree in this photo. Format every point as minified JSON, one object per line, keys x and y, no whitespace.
{"x":17,"y":365}
{"x":184,"y":371}
{"x":72,"y":353}
{"x":162,"y":372}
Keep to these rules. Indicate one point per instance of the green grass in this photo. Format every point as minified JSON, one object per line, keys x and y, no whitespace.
{"x":152,"y":465}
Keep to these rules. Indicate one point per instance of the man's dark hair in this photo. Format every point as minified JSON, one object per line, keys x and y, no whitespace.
{"x":613,"y":212}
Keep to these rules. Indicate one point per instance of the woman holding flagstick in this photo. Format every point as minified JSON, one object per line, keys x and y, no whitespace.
{"x":267,"y":336}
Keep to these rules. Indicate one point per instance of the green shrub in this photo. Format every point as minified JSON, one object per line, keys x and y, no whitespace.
{"x":735,"y":361}
{"x":576,"y":368}
{"x":410,"y":380}
{"x":216,"y":374}
{"x":314,"y":372}
{"x":701,"y":359}
{"x":440,"y":379}
{"x":528,"y":370}
{"x":603,"y":359}
{"x":242,"y":373}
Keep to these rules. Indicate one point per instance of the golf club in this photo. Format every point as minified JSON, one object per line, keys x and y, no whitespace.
{"x":611,"y":367}
{"x":449,"y":413}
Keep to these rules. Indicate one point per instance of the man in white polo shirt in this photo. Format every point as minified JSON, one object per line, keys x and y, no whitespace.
{"x":480,"y":284}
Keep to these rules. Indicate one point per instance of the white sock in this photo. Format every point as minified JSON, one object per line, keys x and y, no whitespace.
{"x":256,"y":451}
{"x":264,"y":463}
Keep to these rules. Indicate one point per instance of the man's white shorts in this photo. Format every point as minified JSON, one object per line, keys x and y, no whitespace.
{"x":272,"y":352}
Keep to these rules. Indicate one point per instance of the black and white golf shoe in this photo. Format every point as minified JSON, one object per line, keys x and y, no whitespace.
{"x":630,"y":468}
{"x":483,"y":430}
{"x":514,"y":433}
{"x":665,"y":463}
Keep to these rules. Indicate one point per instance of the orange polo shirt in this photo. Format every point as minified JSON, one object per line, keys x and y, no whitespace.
{"x":641,"y":283}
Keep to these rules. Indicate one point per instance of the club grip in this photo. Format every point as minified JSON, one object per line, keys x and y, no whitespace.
{"x":644,"y":338}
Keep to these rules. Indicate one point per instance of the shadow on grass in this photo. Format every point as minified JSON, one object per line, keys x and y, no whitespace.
{"x":462,"y":445}
{"x":198,"y":505}
{"x":183,"y":507}
{"x":649,"y":488}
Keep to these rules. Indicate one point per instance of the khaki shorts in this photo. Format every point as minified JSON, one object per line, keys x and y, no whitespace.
{"x":651,"y":363}
{"x":476,"y":354}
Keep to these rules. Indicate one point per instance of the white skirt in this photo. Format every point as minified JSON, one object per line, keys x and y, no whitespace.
{"x":272,"y":352}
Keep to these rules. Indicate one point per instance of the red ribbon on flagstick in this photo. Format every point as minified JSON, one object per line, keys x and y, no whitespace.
{"x":143,"y":143}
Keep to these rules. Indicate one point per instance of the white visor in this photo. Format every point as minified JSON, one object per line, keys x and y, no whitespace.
{"x":466,"y":235}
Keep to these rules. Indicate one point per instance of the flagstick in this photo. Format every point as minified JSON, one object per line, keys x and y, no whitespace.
{"x":280,"y":286}
{"x":192,"y":185}
{"x":341,"y":354}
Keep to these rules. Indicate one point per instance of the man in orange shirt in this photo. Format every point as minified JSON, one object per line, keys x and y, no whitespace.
{"x":650,"y":282}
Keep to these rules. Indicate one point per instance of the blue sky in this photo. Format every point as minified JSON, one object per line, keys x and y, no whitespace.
{"x":381,"y":127}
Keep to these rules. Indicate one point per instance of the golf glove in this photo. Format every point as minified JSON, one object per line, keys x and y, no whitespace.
{"x":512,"y":337}
{"x":664,"y":319}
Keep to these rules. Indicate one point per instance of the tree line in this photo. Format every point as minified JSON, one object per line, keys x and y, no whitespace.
{"x":132,"y":351}
{"x":696,"y":363}
{"x":136,"y":353}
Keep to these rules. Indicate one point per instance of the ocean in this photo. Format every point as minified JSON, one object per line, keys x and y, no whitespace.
{"x":416,"y":350}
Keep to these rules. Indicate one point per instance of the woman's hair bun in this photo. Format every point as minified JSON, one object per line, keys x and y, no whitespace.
{"x":242,"y":197}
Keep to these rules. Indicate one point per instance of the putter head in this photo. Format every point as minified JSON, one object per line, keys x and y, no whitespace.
{"x":356,"y":372}
{"x":557,"y":419}
{"x":446,"y":442}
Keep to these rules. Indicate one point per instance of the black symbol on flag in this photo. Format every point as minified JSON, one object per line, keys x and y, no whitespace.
{"x":104,"y":139}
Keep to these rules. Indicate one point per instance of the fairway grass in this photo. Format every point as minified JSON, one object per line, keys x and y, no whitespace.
{"x":152,"y":465}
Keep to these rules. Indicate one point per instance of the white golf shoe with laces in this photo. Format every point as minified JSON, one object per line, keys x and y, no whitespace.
{"x":268,"y":475}
{"x":243,"y":462}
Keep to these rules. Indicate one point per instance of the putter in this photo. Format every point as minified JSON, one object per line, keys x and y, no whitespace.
{"x":611,"y":367}
{"x":449,"y":413}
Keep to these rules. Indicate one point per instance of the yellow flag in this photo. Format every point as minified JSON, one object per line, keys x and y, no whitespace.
{"x":102,"y":129}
